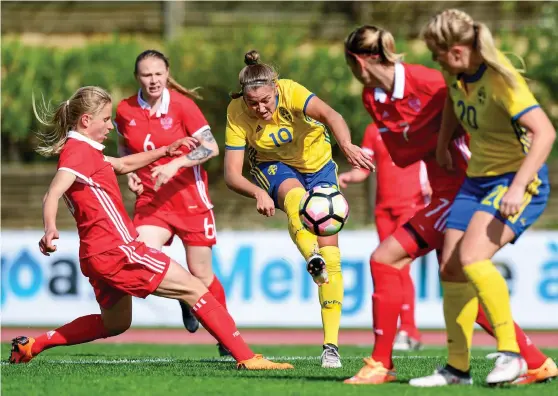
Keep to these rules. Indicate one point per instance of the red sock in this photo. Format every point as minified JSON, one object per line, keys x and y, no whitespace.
{"x":215,"y":319}
{"x":407,"y":314}
{"x":216,"y":288}
{"x":386,"y":305}
{"x":83,"y":329}
{"x":529,"y":351}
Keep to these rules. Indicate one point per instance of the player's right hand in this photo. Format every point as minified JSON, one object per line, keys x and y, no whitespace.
{"x":357,"y":157}
{"x":45,"y":244}
{"x":134,"y":184}
{"x":344,"y":179}
{"x":264,"y":204}
{"x":443,"y":157}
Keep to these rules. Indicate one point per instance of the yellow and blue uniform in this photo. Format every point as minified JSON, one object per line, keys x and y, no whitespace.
{"x":489,"y":109}
{"x":291,"y":145}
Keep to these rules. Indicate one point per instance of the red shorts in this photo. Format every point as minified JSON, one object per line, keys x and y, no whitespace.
{"x":389,"y":219}
{"x":424,"y":232}
{"x":193,"y":230}
{"x":129,"y":269}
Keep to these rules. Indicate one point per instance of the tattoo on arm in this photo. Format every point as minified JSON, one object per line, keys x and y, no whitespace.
{"x":200,"y":153}
{"x":207,"y":136}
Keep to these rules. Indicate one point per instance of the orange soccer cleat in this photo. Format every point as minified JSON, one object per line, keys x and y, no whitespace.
{"x":545,"y":373}
{"x":259,"y":363}
{"x":372,"y":373}
{"x":21,"y":349}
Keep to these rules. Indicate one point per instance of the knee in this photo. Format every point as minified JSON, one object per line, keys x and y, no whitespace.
{"x":203,"y":273}
{"x":467,"y":256}
{"x":117,"y":327}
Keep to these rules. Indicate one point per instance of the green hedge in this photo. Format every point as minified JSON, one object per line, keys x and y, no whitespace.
{"x":213,"y":62}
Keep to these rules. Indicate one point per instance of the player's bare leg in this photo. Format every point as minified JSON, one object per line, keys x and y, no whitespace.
{"x":155,"y":237}
{"x":179,"y":284}
{"x":199,"y":260}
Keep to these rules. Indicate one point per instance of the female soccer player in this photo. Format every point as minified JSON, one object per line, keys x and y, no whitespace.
{"x":406,"y":102}
{"x":289,"y":150}
{"x":506,"y":188}
{"x":161,"y":112}
{"x":400,"y":193}
{"x":117,"y":264}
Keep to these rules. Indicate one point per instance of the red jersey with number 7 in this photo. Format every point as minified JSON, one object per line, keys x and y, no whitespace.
{"x":94,"y":199}
{"x":177,"y":117}
{"x":409,"y":119}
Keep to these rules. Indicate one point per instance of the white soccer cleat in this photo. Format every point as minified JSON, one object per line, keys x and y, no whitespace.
{"x":316,"y":267}
{"x":405,"y":343}
{"x":330,"y":357}
{"x":441,"y":377}
{"x":507,"y":368}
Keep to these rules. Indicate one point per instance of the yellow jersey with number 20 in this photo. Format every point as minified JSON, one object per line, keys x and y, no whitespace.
{"x":489,"y":108}
{"x":291,"y":137}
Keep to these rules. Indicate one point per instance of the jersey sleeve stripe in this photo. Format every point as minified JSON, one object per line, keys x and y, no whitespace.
{"x":528,"y":109}
{"x":202,"y":129}
{"x":306,"y":103}
{"x":234,"y":147}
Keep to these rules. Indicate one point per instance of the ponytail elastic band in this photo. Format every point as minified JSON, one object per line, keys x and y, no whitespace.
{"x":68,"y":102}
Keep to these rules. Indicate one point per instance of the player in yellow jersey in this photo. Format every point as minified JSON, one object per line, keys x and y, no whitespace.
{"x":282,"y":125}
{"x":505,"y":191}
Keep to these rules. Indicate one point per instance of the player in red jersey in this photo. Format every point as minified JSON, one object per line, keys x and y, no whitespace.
{"x":400,"y":193}
{"x":406,"y":102}
{"x":117,"y":264}
{"x":161,"y":112}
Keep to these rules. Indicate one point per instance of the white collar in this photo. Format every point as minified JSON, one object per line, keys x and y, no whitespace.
{"x":83,"y":138}
{"x":399,"y":82}
{"x":165,"y":102}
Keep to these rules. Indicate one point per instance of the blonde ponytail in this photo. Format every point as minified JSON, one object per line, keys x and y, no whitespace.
{"x":452,"y":26}
{"x":65,"y":117}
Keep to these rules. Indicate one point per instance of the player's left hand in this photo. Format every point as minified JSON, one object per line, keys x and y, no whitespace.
{"x":163,"y":173}
{"x":46,"y":244}
{"x":510,"y":204}
{"x":174,"y":148}
{"x":357,"y":157}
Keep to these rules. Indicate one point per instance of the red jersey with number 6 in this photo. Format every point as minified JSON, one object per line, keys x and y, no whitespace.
{"x":177,"y":117}
{"x":94,"y":199}
{"x":409,"y":119}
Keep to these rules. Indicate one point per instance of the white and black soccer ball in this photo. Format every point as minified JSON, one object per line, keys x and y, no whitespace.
{"x":324,"y":211}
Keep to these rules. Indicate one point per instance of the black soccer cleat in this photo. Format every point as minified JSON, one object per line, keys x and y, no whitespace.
{"x":191,"y":323}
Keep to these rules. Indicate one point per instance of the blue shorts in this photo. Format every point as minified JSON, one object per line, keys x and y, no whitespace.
{"x":270,"y":175}
{"x":484,"y":194}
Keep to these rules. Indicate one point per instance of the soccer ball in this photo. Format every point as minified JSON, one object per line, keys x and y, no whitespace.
{"x":324,"y":211}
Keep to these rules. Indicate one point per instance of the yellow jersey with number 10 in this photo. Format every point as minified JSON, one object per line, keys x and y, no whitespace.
{"x":488,"y":108}
{"x":291,"y":137}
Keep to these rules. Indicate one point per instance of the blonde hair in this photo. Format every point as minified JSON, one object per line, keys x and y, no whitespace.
{"x":254,"y":74}
{"x":65,"y":117}
{"x":372,"y":40}
{"x":171,"y":82}
{"x":452,"y":26}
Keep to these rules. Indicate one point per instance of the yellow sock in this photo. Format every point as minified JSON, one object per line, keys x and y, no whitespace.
{"x":331,"y":294}
{"x":494,"y":296}
{"x":305,"y":241}
{"x":461,"y":307}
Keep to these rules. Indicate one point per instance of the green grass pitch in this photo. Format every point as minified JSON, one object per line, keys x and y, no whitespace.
{"x":134,"y":369}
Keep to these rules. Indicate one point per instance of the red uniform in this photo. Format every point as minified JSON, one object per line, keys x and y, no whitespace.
{"x":408,"y":120}
{"x":182,"y":205}
{"x":400,"y":192}
{"x":115,"y":263}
